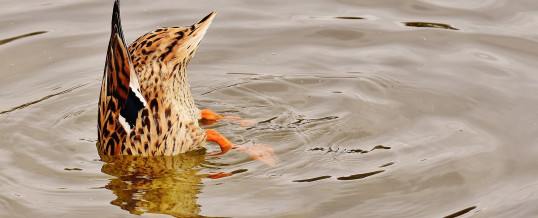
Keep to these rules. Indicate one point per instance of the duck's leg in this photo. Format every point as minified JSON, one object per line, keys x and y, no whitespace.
{"x":211,"y":117}
{"x":261,"y":152}
{"x":214,"y":136}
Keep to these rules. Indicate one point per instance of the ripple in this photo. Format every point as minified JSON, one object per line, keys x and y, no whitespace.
{"x":360,"y":176}
{"x":344,"y":35}
{"x":348,"y":150}
{"x":350,"y":18}
{"x":312,"y":179}
{"x":301,"y":17}
{"x":461,"y":212}
{"x":266,"y":124}
{"x":455,"y":105}
{"x":387,"y":164}
{"x":4,"y":41}
{"x":40,"y":100}
{"x":430,"y":25}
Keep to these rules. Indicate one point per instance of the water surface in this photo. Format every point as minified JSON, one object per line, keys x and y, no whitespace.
{"x":421,"y":108}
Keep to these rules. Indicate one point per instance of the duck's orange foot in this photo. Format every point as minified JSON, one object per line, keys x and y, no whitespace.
{"x":261,"y":152}
{"x":224,"y":143}
{"x":210,"y":117}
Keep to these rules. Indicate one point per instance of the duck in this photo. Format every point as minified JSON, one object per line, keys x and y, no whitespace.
{"x":145,"y":105}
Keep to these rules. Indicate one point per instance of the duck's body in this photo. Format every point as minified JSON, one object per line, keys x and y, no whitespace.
{"x":146,"y":107}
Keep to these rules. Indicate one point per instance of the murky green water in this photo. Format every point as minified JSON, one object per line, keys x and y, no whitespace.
{"x":375,"y":108}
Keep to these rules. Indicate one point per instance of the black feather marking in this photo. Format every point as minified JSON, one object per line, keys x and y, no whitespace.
{"x":150,"y":37}
{"x":163,"y":55}
{"x":131,"y":108}
{"x":205,"y":18}
{"x":159,"y":130}
{"x":145,"y":113}
{"x":167,"y":112}
{"x":154,"y":105}
{"x":116,"y":21}
{"x":171,"y":46}
{"x":109,"y":148}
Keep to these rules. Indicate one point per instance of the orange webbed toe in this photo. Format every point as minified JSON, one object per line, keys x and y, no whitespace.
{"x":210,"y":115}
{"x":209,"y":118}
{"x":261,"y":152}
{"x":214,"y":136}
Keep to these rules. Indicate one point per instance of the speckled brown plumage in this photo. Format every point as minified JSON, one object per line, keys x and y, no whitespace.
{"x":145,"y":106}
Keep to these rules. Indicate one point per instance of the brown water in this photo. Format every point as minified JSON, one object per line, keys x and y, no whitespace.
{"x":420,"y":108}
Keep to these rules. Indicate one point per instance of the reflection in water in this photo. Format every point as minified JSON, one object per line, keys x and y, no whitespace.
{"x":165,"y":184}
{"x":430,"y":25}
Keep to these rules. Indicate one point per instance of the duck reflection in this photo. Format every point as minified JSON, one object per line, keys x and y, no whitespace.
{"x":165,"y":184}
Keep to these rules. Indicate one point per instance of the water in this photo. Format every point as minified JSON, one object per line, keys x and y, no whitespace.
{"x":374,"y":108}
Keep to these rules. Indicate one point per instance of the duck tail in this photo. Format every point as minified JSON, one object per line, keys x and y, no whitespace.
{"x":120,"y":98}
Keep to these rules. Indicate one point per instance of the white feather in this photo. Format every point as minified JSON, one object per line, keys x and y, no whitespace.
{"x":124,"y":124}
{"x":138,"y":94}
{"x":135,"y":86}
